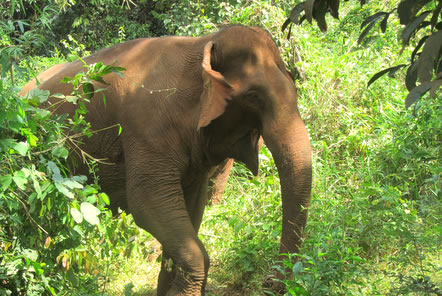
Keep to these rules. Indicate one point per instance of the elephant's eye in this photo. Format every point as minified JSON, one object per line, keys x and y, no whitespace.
{"x":254,"y":99}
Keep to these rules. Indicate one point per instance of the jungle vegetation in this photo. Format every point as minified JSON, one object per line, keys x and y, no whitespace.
{"x":375,"y":220}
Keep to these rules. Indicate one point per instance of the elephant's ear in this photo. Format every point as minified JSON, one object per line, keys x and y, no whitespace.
{"x":217,"y":91}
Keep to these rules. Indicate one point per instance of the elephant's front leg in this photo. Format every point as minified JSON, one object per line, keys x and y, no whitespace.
{"x":195,"y":196}
{"x":156,"y":200}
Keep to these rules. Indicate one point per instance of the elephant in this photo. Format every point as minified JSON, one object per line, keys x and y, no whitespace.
{"x":185,"y":105}
{"x":218,"y":175}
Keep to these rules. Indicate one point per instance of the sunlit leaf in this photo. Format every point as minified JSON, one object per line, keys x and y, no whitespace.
{"x":72,"y":184}
{"x":77,"y":215}
{"x":90,"y":213}
{"x":22,"y":148}
{"x":5,"y":181}
{"x":105,"y":198}
{"x":61,"y":152}
{"x":20,"y":179}
{"x":64,"y":190}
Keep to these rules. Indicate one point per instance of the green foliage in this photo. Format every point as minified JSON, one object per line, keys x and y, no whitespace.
{"x":93,"y":23}
{"x":49,"y":218}
{"x":37,"y":195}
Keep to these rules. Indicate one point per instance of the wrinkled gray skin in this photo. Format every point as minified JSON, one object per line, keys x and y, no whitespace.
{"x":186,"y":105}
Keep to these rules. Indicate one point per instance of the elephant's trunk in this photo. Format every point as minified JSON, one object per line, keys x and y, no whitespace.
{"x":290,"y":146}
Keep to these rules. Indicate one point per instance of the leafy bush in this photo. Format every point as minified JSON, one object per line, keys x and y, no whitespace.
{"x":55,"y":233}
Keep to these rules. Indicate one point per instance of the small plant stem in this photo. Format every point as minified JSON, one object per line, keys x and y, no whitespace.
{"x":29,"y":215}
{"x":12,"y":74}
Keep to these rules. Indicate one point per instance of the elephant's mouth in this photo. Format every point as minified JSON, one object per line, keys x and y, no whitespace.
{"x":242,"y":147}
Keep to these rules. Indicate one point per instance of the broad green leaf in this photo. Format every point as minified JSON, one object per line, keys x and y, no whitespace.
{"x":105,"y":198}
{"x":42,"y":112}
{"x":37,"y":187}
{"x":60,"y":151}
{"x":72,"y":99}
{"x":297,"y":268}
{"x":30,"y":254}
{"x":90,"y":213}
{"x":20,"y":179}
{"x":5,"y":181}
{"x":80,"y":179}
{"x":77,"y":215}
{"x":88,"y":90}
{"x":22,"y":148}
{"x":56,"y":176}
{"x":72,"y":184}
{"x":64,"y":190}
{"x":58,"y":96}
{"x":42,"y":95}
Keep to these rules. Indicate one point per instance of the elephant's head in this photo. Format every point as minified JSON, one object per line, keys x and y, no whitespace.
{"x":248,"y":92}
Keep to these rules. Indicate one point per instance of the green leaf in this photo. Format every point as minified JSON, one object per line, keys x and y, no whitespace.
{"x":42,"y":112}
{"x":61,"y":152}
{"x":64,"y":190}
{"x":72,"y":184}
{"x":118,"y":70}
{"x":77,"y":215}
{"x":72,"y":99}
{"x":416,"y":93}
{"x":105,"y":198}
{"x":88,"y":90}
{"x":42,"y":95}
{"x":20,"y":179}
{"x":58,"y":96}
{"x":56,"y":176}
{"x":80,"y":179}
{"x":90,"y":213}
{"x":30,"y":254}
{"x":5,"y":181}
{"x":22,"y":148}
{"x":297,"y":268}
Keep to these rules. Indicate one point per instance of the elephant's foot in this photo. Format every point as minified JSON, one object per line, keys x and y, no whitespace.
{"x":175,"y":280}
{"x":186,"y":283}
{"x":273,"y":283}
